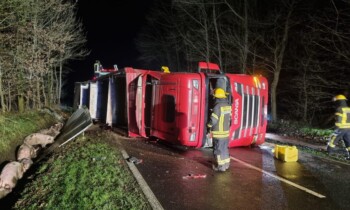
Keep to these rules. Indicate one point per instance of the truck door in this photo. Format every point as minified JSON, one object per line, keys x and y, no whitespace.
{"x":139,"y":112}
{"x":164,"y":124}
{"x":134,"y":102}
{"x":214,"y":81}
{"x":139,"y":98}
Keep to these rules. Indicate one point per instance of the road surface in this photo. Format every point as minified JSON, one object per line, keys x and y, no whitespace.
{"x":182,"y":178}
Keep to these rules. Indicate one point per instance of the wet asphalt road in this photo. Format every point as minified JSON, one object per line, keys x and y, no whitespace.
{"x":255,"y":180}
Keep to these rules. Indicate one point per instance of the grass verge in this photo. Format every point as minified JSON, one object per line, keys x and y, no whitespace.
{"x":87,"y":174}
{"x":15,"y":127}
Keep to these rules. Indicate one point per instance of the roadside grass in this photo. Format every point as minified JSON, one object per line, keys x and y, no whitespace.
{"x":299,"y":130}
{"x":14,"y":127}
{"x":307,"y":134}
{"x":87,"y":174}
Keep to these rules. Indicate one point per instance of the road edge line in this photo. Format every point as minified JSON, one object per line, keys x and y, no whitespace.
{"x":279,"y":178}
{"x":152,"y":199}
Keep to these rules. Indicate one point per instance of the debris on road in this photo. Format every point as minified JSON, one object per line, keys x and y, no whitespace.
{"x":134,"y":160}
{"x":195,"y":176}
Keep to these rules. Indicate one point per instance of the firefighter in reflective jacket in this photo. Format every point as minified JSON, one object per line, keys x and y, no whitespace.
{"x":219,"y":125}
{"x":342,"y":124}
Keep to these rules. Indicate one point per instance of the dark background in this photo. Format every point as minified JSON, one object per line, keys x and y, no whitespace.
{"x":111,"y":28}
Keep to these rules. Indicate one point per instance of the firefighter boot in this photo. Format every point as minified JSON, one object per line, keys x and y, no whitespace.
{"x":218,"y":168}
{"x":226,"y":166}
{"x":330,"y":150}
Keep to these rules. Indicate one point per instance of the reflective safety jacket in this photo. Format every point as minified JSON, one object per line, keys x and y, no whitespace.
{"x":220,"y":119}
{"x":342,"y":118}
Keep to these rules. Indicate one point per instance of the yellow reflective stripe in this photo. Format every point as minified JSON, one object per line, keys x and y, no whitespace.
{"x":221,"y":122}
{"x":209,"y":126}
{"x":331,"y":142}
{"x":343,"y":119}
{"x":222,"y":161}
{"x":226,"y":109}
{"x":220,"y":136}
{"x":221,"y":132}
{"x":343,"y":125}
{"x":339,"y":114}
{"x":214,"y":115}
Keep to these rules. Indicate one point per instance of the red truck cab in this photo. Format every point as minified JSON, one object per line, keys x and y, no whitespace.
{"x":182,"y":101}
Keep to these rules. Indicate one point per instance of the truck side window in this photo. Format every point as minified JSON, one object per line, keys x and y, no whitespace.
{"x":169,"y":108}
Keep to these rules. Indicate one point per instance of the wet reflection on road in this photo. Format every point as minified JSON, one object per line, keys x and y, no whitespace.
{"x":255,"y":180}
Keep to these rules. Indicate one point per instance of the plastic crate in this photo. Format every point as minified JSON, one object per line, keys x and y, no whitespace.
{"x":286,"y":153}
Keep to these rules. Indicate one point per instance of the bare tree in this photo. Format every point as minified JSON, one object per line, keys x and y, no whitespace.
{"x":186,"y":31}
{"x":237,"y":36}
{"x":274,"y":43}
{"x":40,"y":37}
{"x":267,"y":37}
{"x":334,"y":42}
{"x":158,"y":42}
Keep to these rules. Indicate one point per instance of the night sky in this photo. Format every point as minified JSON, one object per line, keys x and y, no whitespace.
{"x":111,"y":28}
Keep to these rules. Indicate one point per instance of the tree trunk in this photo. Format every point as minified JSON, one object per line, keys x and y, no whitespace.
{"x":21,"y":103}
{"x":43,"y":91}
{"x":217,"y":37}
{"x":60,"y":82}
{"x":207,"y":59}
{"x":273,"y":96}
{"x":2,"y":102}
{"x":305,"y":97}
{"x":9,"y":100}
{"x":38,"y":95}
{"x":245,"y":39}
{"x":50,"y":91}
{"x":278,"y":60}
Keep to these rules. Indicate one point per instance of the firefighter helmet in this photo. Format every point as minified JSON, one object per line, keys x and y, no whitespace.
{"x":339,"y":97}
{"x":219,"y":93}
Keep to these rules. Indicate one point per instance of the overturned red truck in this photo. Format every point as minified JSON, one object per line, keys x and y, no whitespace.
{"x":174,"y":106}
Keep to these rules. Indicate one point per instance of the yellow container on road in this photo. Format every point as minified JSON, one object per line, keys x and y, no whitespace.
{"x":286,"y":153}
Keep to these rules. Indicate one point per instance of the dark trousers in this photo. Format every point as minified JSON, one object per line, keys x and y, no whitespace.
{"x":340,"y":134}
{"x":221,"y":153}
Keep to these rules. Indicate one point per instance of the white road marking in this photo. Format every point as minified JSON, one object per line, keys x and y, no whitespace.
{"x":143,"y":184}
{"x":279,"y":178}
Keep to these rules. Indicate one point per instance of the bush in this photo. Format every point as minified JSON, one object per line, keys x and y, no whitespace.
{"x":299,"y":130}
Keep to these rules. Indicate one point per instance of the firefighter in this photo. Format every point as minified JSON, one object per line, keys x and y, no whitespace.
{"x":342,"y":124}
{"x":219,"y":125}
